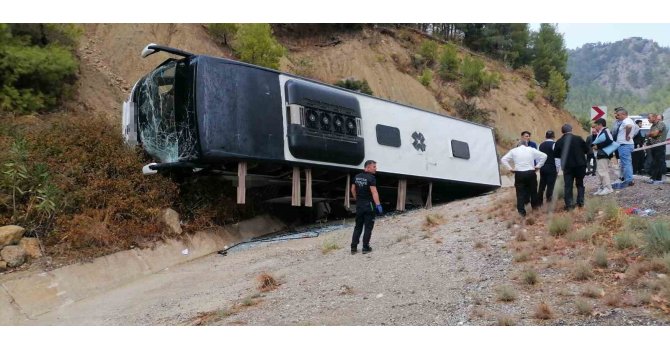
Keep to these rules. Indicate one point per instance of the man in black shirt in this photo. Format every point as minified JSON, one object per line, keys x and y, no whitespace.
{"x":364,"y":191}
{"x":572,"y":149}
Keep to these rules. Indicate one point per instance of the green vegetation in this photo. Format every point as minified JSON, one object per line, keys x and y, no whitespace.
{"x":355,"y":85}
{"x":37,"y":66}
{"x":559,"y":225}
{"x":449,"y":63}
{"x":658,"y":238}
{"x":470,"y":111}
{"x":549,"y":54}
{"x":557,"y":89}
{"x":255,"y":44}
{"x":426,"y":77}
{"x":625,"y":240}
{"x":223,"y":31}
{"x":428,"y":51}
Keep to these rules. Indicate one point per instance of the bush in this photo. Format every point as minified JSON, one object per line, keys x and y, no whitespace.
{"x":625,"y":240}
{"x":223,"y":31}
{"x":472,"y":76}
{"x":490,"y":80}
{"x":582,"y":271}
{"x":658,"y":238}
{"x":449,"y":63}
{"x":255,"y":44}
{"x":531,"y":95}
{"x":530,"y":277}
{"x":355,"y":85}
{"x":428,"y":50}
{"x":559,"y":225}
{"x":557,"y":89}
{"x":600,"y":257}
{"x":470,"y":111}
{"x":426,"y":77}
{"x":506,"y":293}
{"x":36,"y":77}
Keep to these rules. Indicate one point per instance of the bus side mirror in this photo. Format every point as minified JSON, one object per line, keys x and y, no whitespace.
{"x":146,"y":170}
{"x":148,"y":50}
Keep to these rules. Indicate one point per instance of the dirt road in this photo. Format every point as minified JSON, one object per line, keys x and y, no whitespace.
{"x":445,"y":275}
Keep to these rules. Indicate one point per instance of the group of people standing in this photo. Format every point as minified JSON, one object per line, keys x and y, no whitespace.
{"x":571,"y":153}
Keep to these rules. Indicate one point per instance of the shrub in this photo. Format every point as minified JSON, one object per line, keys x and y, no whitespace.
{"x":266,"y":282}
{"x":531,"y":95}
{"x":426,"y":77}
{"x":255,"y":44}
{"x":658,"y":238}
{"x":223,"y":31}
{"x":449,"y":63}
{"x":506,"y":293}
{"x":472,"y":76}
{"x":428,"y":50}
{"x":521,"y":257}
{"x":34,"y":78}
{"x":543,"y":311}
{"x":506,"y":320}
{"x":355,"y":85}
{"x":530,"y":277}
{"x":329,"y":246}
{"x":584,"y":234}
{"x":470,"y":111}
{"x":557,"y":89}
{"x":592,"y":208}
{"x":600,"y":257}
{"x":636,"y":223}
{"x":490,"y":80}
{"x":592,"y":291}
{"x":583,"y":307}
{"x":434,"y":219}
{"x":582,"y":271}
{"x":625,"y":240}
{"x":526,"y":72}
{"x":559,"y":225}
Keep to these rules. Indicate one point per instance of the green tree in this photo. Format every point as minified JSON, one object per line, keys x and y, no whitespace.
{"x":355,"y":85}
{"x":557,"y":89}
{"x":428,"y":51}
{"x":37,"y":66}
{"x":223,"y":31}
{"x":426,"y":77}
{"x":255,"y":44}
{"x":449,"y":62}
{"x":472,"y":77}
{"x":549,"y":53}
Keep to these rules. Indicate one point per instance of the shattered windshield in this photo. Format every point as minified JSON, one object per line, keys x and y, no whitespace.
{"x":161,"y":133}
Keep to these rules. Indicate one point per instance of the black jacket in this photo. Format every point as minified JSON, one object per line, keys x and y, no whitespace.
{"x":608,"y":141}
{"x":572,"y":149}
{"x":549,"y":167}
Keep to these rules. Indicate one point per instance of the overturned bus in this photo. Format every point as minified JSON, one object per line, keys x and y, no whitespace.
{"x":202,"y":114}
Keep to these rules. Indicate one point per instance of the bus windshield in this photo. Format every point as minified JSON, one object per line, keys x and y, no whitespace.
{"x":160,"y":132}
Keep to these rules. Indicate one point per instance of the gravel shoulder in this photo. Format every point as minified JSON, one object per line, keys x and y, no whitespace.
{"x":449,"y":273}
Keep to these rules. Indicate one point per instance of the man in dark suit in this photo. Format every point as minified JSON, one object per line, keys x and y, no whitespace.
{"x":572,"y":149}
{"x":549,"y":171}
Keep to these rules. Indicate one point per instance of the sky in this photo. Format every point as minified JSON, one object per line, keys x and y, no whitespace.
{"x":578,"y":34}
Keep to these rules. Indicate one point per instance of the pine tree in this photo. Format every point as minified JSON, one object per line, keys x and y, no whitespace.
{"x":557,"y":89}
{"x":549,"y":53}
{"x":255,"y":44}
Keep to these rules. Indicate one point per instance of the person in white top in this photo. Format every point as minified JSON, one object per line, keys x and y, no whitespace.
{"x":623,"y":135}
{"x":527,"y":161}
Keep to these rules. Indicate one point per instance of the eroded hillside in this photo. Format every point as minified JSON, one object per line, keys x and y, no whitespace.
{"x":111,"y":64}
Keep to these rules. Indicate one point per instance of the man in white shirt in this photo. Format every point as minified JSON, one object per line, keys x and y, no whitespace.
{"x":623,"y":135}
{"x":527,"y":161}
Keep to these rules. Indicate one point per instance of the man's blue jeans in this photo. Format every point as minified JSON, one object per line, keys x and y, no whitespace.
{"x":626,"y":162}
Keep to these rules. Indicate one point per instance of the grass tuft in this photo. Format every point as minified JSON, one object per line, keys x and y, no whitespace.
{"x":267,"y":282}
{"x":506,"y":320}
{"x":582,"y":271}
{"x":329,"y":246}
{"x":530,"y":277}
{"x":625,"y":240}
{"x":584,"y":307}
{"x":543,"y":311}
{"x":592,"y":291}
{"x":506,"y":293}
{"x":658,"y":238}
{"x":600,"y":257}
{"x":560,"y":225}
{"x":434,"y":219}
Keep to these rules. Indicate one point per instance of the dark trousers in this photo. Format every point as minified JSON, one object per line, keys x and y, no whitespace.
{"x":547,"y":181}
{"x":647,"y":161}
{"x":525,"y":183}
{"x":657,"y":163}
{"x":574,"y":175}
{"x":365,"y":216}
{"x":591,"y":164}
{"x":638,"y":162}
